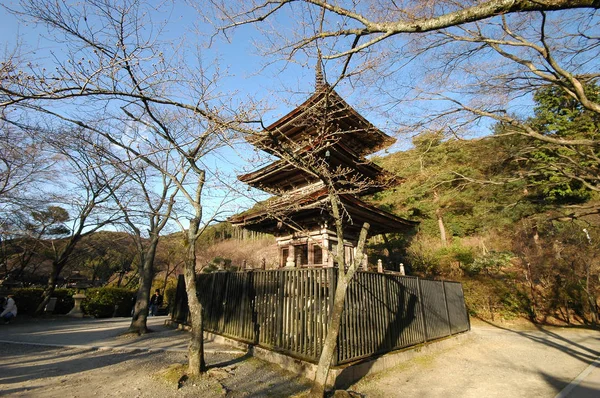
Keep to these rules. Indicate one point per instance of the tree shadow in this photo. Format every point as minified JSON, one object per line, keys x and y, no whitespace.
{"x":249,"y":354}
{"x":578,"y":391}
{"x":554,"y":340}
{"x":264,"y":380}
{"x":40,"y":349}
{"x":403,"y":315}
{"x":57,"y":365}
{"x":21,"y":390}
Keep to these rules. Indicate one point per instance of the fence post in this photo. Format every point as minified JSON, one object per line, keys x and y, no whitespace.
{"x":254,"y":308}
{"x":424,"y":321}
{"x":224,"y":303}
{"x":447,"y":311}
{"x":462,"y":292}
{"x":280,"y":304}
{"x":180,"y":311}
{"x":244,"y":302}
{"x":209,"y":308}
{"x":389,"y":316}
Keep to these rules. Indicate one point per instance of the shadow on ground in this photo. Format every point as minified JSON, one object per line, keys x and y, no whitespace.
{"x":545,"y":336}
{"x":56,"y":362}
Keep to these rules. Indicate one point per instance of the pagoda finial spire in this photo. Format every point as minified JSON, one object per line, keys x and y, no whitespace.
{"x":319,"y":79}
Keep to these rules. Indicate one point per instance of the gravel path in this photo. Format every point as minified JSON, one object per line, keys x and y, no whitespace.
{"x":495,"y":362}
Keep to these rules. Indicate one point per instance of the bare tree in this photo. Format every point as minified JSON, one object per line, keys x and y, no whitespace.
{"x":119,"y":76}
{"x":145,"y":199}
{"x":179,"y":140}
{"x":24,"y":233}
{"x":377,"y":21}
{"x":109,"y":255}
{"x":23,"y":164}
{"x":169,"y":259}
{"x":88,"y":205}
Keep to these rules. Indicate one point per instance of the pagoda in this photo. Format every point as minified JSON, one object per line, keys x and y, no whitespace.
{"x":328,"y":130}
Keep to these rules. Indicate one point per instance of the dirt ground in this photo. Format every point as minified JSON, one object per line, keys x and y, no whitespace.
{"x":89,"y":359}
{"x":512,"y":360}
{"x":36,"y":371}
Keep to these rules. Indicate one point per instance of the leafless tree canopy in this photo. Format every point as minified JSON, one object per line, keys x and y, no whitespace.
{"x":112,"y":73}
{"x":375,"y":21}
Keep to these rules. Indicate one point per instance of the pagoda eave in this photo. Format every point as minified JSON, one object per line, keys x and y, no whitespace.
{"x":312,"y":213}
{"x":368,"y":138}
{"x":280,"y":175}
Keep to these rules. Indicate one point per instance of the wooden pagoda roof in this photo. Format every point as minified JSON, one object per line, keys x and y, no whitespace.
{"x":282,"y":176}
{"x":309,"y":209}
{"x":359,"y":134}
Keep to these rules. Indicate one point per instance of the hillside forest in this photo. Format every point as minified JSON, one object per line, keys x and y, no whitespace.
{"x":504,"y":215}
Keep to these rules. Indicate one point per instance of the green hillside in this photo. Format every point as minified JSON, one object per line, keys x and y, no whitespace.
{"x":497,"y":215}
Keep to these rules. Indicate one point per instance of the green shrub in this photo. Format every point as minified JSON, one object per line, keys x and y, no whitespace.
{"x":101,"y":302}
{"x":456,"y":253}
{"x":169,"y":294}
{"x":490,"y":262}
{"x":64,"y":300}
{"x":28,"y":299}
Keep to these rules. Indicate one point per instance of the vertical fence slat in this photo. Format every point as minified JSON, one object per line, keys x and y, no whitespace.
{"x":280,"y":306}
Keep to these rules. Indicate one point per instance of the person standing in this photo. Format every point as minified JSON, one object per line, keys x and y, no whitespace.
{"x":10,"y":309}
{"x":155,"y":302}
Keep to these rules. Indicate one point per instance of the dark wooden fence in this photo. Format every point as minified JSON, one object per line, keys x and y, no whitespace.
{"x":287,"y":310}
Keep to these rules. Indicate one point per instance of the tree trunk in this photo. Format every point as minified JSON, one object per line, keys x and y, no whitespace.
{"x":57,"y":266}
{"x":330,"y":343}
{"x":343,"y":281}
{"x":120,"y":280}
{"x":591,"y":297}
{"x":196,"y":364}
{"x":140,"y":312}
{"x":49,"y":290}
{"x":166,"y":280}
{"x":533,"y":295}
{"x":442,"y":228}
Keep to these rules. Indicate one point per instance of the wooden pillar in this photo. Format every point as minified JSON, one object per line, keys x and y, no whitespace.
{"x":325,"y":249}
{"x":290,"y":261}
